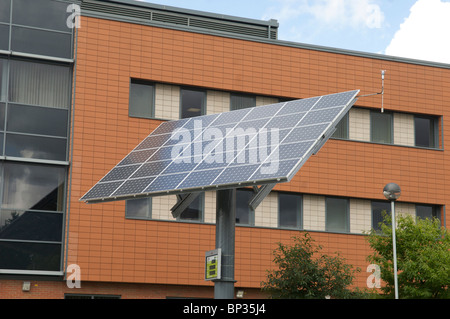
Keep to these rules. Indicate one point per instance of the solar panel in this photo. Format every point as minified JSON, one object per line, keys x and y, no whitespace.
{"x":253,"y":146}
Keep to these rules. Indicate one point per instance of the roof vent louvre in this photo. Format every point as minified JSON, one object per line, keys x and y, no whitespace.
{"x":189,"y":19}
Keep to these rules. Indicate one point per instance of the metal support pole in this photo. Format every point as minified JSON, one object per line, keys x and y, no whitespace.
{"x":394,"y":249}
{"x":225,"y":239}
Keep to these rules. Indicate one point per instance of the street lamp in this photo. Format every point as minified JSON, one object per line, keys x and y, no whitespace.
{"x":392,"y":192}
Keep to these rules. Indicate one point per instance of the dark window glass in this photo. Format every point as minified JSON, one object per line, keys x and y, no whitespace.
{"x":242,"y":101}
{"x":139,"y":208}
{"x":29,"y":146}
{"x":2,"y":116}
{"x":192,"y":103}
{"x":41,"y":14}
{"x":2,"y":136}
{"x":427,"y":211}
{"x":3,"y":81}
{"x":290,"y":210}
{"x":41,"y":42}
{"x":26,"y":225}
{"x":244,"y":214}
{"x":33,"y":187}
{"x":37,"y":120}
{"x":381,"y":127}
{"x":4,"y":36}
{"x":40,"y":84}
{"x":30,"y":256}
{"x":142,"y":99}
{"x":424,"y":129}
{"x":337,"y":212}
{"x":195,"y":209}
{"x":377,"y":213}
{"x":5,"y":10}
{"x":342,"y":128}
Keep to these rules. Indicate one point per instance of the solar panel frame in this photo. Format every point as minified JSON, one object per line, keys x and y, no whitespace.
{"x":307,"y":124}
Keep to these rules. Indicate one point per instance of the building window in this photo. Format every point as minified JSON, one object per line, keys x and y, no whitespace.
{"x":142,"y":99}
{"x":381,"y":127}
{"x":289,"y":210}
{"x":337,"y":215}
{"x":139,"y":208}
{"x":342,"y":128}
{"x":244,"y":214}
{"x":425,"y":130}
{"x":428,"y":211}
{"x":241,"y":101}
{"x":194,"y":212}
{"x":31,"y":216}
{"x":37,"y":110}
{"x":193,"y":103}
{"x":378,"y":211}
{"x":37,"y":27}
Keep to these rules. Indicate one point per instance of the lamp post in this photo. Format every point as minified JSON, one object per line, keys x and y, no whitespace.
{"x":392,"y":192}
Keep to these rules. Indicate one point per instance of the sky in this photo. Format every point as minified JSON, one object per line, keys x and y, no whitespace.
{"x":417,"y":29}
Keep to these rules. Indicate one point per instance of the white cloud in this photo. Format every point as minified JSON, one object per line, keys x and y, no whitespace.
{"x":338,"y":13}
{"x":425,"y":34}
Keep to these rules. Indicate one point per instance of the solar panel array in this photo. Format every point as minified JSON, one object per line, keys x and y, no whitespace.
{"x":253,"y":146}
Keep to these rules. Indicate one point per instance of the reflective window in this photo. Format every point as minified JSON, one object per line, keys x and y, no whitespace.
{"x":3,"y":79}
{"x":193,"y":103}
{"x":381,"y":127}
{"x":342,"y":128}
{"x":4,"y":37}
{"x":33,"y":187}
{"x":244,"y":214}
{"x":37,"y":120}
{"x":30,"y":256}
{"x":428,"y":211}
{"x":378,"y":211}
{"x":2,"y":116}
{"x":139,"y":208}
{"x":290,"y":210}
{"x":337,"y":214}
{"x":5,"y":10}
{"x":194,"y":212}
{"x":41,"y":14}
{"x":29,"y":146}
{"x":40,"y":84}
{"x":142,"y":99}
{"x":242,"y":101}
{"x":425,"y":131}
{"x":27,"y":225}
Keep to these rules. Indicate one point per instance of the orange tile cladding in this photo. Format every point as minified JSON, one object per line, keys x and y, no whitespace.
{"x":109,"y":247}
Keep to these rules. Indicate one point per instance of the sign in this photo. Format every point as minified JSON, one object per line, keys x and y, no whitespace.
{"x":212,"y":264}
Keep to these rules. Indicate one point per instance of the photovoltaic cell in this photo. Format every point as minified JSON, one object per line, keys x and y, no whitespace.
{"x":252,"y":146}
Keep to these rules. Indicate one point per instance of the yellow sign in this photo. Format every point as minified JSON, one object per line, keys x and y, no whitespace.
{"x":212,"y":264}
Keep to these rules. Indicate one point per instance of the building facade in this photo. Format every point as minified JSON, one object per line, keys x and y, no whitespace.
{"x":77,"y":95}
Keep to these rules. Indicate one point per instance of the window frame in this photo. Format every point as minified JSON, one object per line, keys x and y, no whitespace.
{"x":391,"y":126}
{"x":201,"y":199}
{"x":149,"y":209}
{"x":251,"y":212}
{"x":152,"y":103}
{"x":299,"y":215}
{"x":347,"y":214}
{"x":434,"y":131}
{"x":243,"y":95}
{"x":204,"y":100}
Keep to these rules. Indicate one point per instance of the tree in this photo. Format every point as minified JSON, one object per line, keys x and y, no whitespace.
{"x":304,"y":273}
{"x":423,"y":257}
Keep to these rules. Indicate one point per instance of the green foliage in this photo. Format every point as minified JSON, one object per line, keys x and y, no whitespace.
{"x":423,"y":257}
{"x":304,"y":273}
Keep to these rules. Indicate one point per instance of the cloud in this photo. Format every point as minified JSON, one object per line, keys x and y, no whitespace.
{"x":336,"y":13}
{"x":425,"y":34}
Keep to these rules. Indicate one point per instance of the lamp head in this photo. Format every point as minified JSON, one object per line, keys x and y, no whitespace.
{"x":391,"y":191}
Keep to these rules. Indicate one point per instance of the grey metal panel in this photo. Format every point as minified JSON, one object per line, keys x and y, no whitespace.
{"x":269,"y":144}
